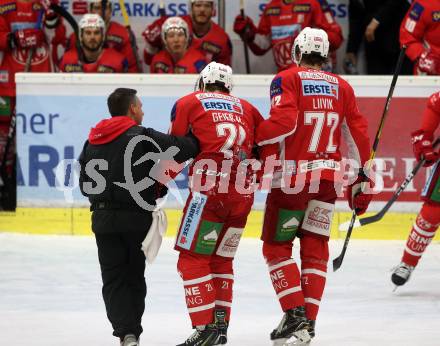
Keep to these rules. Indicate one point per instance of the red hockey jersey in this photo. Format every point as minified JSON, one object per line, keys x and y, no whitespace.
{"x":310,"y":110}
{"x":192,"y":62}
{"x":222,"y":123}
{"x":216,"y":44}
{"x":117,"y":38}
{"x":431,"y":115}
{"x":17,"y":15}
{"x":282,"y":21}
{"x":420,"y":29}
{"x":110,"y":61}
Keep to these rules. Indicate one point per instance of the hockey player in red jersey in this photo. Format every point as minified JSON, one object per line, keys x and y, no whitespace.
{"x":428,"y":219}
{"x":281,"y":22}
{"x":93,"y":58}
{"x":216,"y":210}
{"x":117,"y":36}
{"x":310,"y":110}
{"x":22,"y":30}
{"x":206,"y":35}
{"x":178,"y":56}
{"x":420,"y":32}
{"x":25,"y":26}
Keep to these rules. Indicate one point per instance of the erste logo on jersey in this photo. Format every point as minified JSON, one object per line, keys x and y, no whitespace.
{"x":220,"y":102}
{"x":319,"y":88}
{"x":284,"y":31}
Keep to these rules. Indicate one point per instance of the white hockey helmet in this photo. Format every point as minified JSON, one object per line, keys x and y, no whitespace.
{"x":308,"y":41}
{"x":214,"y":73}
{"x":91,"y":20}
{"x":174,"y":23}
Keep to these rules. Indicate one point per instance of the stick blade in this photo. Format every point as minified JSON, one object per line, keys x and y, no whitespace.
{"x":343,"y":227}
{"x":337,"y":262}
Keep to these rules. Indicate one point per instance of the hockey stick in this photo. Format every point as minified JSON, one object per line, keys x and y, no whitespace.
{"x":28,"y":65}
{"x":69,"y":18}
{"x":337,"y":262}
{"x":133,"y":43}
{"x":162,"y":9}
{"x":104,"y":8}
{"x":377,"y":217}
{"x":246,"y":50}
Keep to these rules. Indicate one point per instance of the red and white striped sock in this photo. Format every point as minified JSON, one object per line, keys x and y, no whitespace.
{"x":421,"y":234}
{"x":285,"y":279}
{"x":200,"y":299}
{"x":314,"y":258}
{"x":223,"y":284}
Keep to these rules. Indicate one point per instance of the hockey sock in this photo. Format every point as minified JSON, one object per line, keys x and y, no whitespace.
{"x":223,"y":278}
{"x":284,"y":274}
{"x":314,"y":258}
{"x":199,"y":287}
{"x":422,"y":233}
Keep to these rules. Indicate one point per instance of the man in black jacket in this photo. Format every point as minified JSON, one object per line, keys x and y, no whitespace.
{"x":118,"y":162}
{"x":377,"y":24}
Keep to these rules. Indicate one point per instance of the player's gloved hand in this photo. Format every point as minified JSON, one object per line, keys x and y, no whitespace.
{"x":422,"y":147}
{"x":428,"y":64}
{"x":245,"y":28}
{"x":161,"y":190}
{"x":152,"y":33}
{"x":29,"y":38}
{"x":358,"y":193}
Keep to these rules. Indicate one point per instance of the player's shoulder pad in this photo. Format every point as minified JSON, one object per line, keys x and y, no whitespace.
{"x":276,"y":86}
{"x":7,"y":6}
{"x":416,"y":10}
{"x":200,"y":65}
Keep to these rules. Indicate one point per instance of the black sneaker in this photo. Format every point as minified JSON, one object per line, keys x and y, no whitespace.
{"x":222,"y":325}
{"x":203,"y":336}
{"x":294,"y":323}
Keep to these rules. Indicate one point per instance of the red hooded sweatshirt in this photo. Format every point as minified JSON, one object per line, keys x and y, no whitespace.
{"x":109,"y":129}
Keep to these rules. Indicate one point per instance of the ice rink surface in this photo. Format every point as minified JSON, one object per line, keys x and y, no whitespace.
{"x":50,"y":295}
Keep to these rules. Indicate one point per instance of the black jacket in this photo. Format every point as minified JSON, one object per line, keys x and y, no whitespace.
{"x":114,"y":208}
{"x":389,"y":13}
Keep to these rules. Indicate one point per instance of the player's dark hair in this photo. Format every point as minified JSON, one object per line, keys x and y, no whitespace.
{"x":120,"y":100}
{"x":218,"y":86}
{"x":312,"y":58}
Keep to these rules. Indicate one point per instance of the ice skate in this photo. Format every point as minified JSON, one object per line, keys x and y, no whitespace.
{"x":203,"y":336}
{"x":222,"y":326}
{"x":292,"y":330}
{"x":130,"y":340}
{"x":401,"y":274}
{"x":312,"y":328}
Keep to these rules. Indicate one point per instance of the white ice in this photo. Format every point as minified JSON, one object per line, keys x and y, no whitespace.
{"x":50,"y":294}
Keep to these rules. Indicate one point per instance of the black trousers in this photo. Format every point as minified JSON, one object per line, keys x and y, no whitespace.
{"x":124,"y":289}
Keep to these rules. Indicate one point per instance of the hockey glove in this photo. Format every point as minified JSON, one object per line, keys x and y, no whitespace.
{"x":422,"y":147}
{"x":51,"y":19}
{"x":245,"y":28}
{"x":152,"y":33}
{"x":357,"y":193}
{"x":428,"y":64}
{"x":29,"y":38}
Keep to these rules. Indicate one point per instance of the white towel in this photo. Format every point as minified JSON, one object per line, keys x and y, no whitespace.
{"x":153,"y":240}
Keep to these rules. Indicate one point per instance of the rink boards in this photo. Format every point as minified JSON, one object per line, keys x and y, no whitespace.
{"x":56,"y":111}
{"x":76,"y":221}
